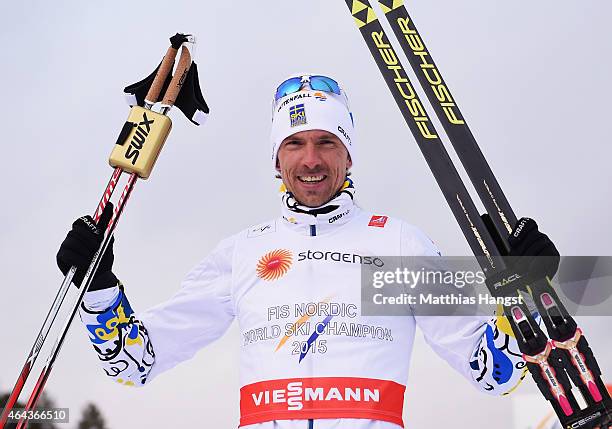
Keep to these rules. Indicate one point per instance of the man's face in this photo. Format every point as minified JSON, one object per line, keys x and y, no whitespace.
{"x":313,"y":166}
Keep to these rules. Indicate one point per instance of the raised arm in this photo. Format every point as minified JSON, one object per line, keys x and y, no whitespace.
{"x":135,"y":347}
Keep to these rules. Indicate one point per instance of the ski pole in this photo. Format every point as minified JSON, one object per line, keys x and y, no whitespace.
{"x":46,"y":371}
{"x":161,"y":74}
{"x":148,"y":155}
{"x":167,"y":102}
{"x":561,"y":327}
{"x":474,"y":230}
{"x":54,"y":310}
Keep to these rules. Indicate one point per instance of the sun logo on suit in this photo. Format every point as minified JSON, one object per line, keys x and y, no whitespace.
{"x":275,"y":264}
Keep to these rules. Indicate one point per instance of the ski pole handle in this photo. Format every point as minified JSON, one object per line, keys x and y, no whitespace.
{"x":162,"y":72}
{"x":165,"y":68}
{"x":178,"y":79}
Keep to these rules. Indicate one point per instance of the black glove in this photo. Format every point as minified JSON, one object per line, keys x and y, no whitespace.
{"x":79,"y":247}
{"x":532,"y":253}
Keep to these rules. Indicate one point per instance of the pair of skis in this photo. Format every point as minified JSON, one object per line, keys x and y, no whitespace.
{"x":135,"y":152}
{"x":567,"y":355}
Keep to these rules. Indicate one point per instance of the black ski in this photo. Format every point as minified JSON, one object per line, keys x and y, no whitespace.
{"x":550,"y":362}
{"x":562,"y":329}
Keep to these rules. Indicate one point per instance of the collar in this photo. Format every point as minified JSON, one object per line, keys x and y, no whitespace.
{"x":318,"y":220}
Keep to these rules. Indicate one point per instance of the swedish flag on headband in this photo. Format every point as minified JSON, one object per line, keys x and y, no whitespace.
{"x":297,"y":114}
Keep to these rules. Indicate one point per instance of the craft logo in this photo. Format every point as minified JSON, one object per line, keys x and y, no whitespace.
{"x":338,"y":216}
{"x":345,"y":134}
{"x":90,"y":224}
{"x":297,"y":114}
{"x":139,"y":138}
{"x":378,"y":221}
{"x":320,"y":96}
{"x":520,"y":227}
{"x":275,"y":264}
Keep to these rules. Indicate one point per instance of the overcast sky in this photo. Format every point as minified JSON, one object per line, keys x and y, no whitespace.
{"x":530,"y":77}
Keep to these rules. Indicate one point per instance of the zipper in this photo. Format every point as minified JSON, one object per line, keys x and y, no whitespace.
{"x":313,"y":232}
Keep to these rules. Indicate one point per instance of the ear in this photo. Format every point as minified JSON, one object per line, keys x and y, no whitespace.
{"x":349,"y":162}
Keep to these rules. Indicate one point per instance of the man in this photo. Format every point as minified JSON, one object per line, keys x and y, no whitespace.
{"x":309,"y":358}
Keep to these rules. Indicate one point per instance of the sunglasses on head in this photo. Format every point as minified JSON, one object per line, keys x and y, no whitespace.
{"x":316,"y":82}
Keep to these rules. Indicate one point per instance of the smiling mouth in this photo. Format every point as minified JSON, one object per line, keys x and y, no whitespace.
{"x":312,"y":179}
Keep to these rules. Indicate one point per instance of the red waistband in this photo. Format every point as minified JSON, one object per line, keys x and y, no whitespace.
{"x":322,"y":398}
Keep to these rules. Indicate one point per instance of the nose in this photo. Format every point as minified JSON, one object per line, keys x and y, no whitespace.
{"x":311,"y":158}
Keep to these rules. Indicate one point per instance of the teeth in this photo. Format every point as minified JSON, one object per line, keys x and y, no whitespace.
{"x":311,"y":178}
